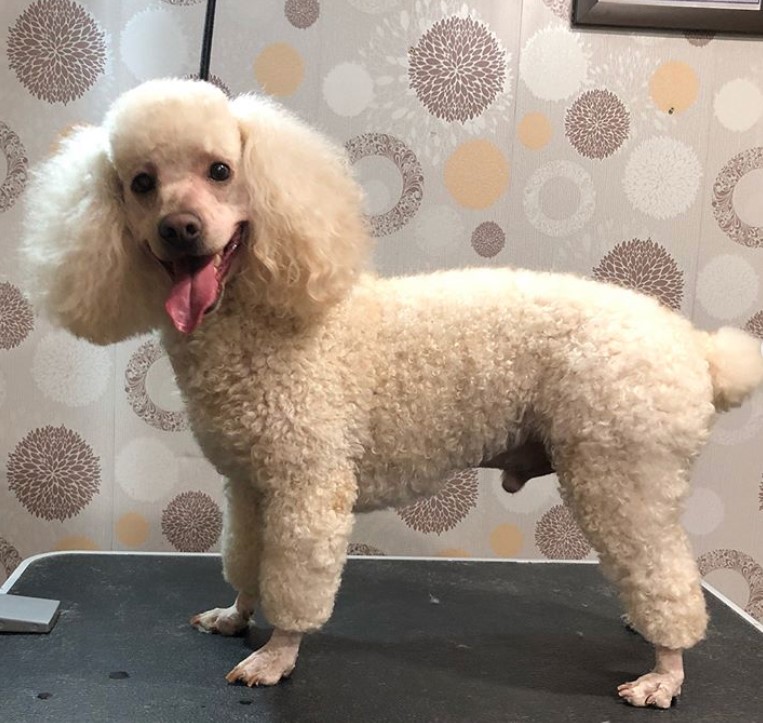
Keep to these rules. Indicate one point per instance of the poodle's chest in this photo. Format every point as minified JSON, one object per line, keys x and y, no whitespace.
{"x":224,"y":399}
{"x":246,"y":403}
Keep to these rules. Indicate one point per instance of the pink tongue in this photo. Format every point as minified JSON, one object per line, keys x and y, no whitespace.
{"x":193,"y":292}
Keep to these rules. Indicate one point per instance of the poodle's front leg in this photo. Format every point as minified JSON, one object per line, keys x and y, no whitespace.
{"x":273,"y":661}
{"x":241,"y":546}
{"x":307,"y":521}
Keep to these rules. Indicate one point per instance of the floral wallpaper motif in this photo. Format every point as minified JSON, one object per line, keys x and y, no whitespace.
{"x":53,"y":472}
{"x":483,"y":132}
{"x":16,"y":167}
{"x":137,"y":372}
{"x":644,"y":266}
{"x":457,"y":68}
{"x":444,"y":510}
{"x":16,"y":316}
{"x":726,"y":204}
{"x":597,"y":123}
{"x":558,"y":536}
{"x":385,"y":146}
{"x":57,"y":50}
{"x":192,"y":522}
{"x":302,"y":13}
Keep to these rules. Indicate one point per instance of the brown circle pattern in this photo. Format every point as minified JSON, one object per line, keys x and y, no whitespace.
{"x":214,"y":80}
{"x":488,"y":239}
{"x":16,"y":316}
{"x":137,"y":394}
{"x":302,"y":13}
{"x":723,"y":198}
{"x":558,"y":536}
{"x":57,"y":50}
{"x":742,"y":563}
{"x":760,"y":496}
{"x":192,"y":522}
{"x":360,"y":548}
{"x":9,"y":556}
{"x":386,"y":146}
{"x":16,"y":167}
{"x":443,"y":511}
{"x":457,"y":69}
{"x":754,"y":325}
{"x":644,"y":266}
{"x":560,"y":8}
{"x":54,"y":473}
{"x":597,"y":124}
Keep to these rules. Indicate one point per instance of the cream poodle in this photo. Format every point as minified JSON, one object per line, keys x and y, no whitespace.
{"x":319,"y":390}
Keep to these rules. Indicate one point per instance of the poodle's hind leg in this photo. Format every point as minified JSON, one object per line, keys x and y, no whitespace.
{"x":240,"y":562}
{"x":629,"y":510}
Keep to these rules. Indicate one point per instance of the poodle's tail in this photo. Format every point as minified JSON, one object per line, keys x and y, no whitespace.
{"x":736,"y":366}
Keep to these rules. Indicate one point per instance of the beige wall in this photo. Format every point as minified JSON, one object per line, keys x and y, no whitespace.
{"x":627,"y":157}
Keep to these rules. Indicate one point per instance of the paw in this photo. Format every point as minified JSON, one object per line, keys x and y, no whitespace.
{"x":272,"y":662}
{"x":226,"y":621}
{"x":262,"y":668}
{"x":652,"y":689}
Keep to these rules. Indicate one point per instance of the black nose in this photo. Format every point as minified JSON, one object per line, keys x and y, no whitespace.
{"x":181,"y":231}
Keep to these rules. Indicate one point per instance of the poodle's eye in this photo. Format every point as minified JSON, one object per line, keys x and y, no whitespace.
{"x":143,"y":183}
{"x":219,"y":172}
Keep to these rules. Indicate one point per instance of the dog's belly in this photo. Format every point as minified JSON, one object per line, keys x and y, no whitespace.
{"x":524,"y":458}
{"x":393,"y":488}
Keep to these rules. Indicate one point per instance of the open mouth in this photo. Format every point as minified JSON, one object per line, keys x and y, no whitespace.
{"x":198,"y":282}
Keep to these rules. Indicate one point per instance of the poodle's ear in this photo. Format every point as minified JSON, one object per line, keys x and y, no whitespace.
{"x":310,"y":235}
{"x":80,"y":264}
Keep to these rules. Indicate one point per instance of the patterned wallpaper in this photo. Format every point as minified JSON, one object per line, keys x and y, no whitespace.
{"x":485,"y":132}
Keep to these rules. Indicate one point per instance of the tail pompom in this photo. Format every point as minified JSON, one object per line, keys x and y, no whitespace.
{"x":736,"y":366}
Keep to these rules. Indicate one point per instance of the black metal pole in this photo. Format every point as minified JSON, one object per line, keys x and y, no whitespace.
{"x":206,"y":42}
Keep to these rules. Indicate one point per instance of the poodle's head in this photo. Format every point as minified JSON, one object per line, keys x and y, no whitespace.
{"x":180,"y":195}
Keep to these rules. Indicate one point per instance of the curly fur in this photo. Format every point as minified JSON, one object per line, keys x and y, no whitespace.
{"x":319,"y":389}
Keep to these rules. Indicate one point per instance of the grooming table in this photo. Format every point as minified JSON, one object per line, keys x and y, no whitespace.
{"x":410,"y":640}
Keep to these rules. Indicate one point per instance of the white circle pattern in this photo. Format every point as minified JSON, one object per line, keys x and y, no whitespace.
{"x":554,"y":64}
{"x":662,"y":177}
{"x":704,"y":511}
{"x":156,"y":29}
{"x":738,"y":105}
{"x":727,"y":286}
{"x":586,"y":204}
{"x":437,"y":229}
{"x":70,"y":371}
{"x":146,"y":469}
{"x":348,"y":89}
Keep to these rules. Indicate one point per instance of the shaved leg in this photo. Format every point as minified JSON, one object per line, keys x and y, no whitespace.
{"x":273,"y":661}
{"x":659,"y":687}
